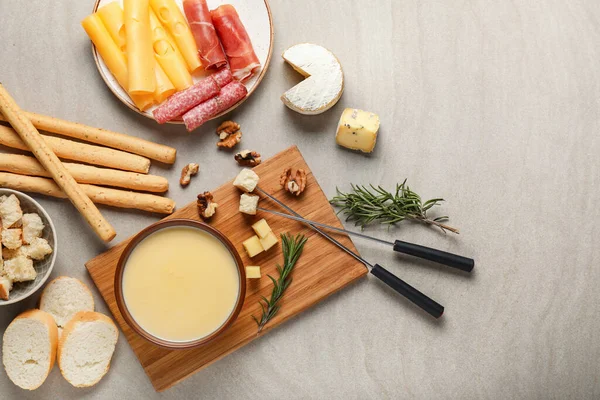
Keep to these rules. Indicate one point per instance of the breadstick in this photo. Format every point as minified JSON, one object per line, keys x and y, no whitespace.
{"x":119,"y":141}
{"x":99,"y":195}
{"x":76,"y":151}
{"x":24,"y":165}
{"x":36,"y":143}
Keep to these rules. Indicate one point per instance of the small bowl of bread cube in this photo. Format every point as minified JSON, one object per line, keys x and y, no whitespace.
{"x":28,"y":242}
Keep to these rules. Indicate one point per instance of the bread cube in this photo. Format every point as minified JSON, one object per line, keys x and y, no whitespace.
{"x":10,"y":211}
{"x":7,"y":254}
{"x":248,"y":204}
{"x":5,"y":287}
{"x":246,"y":180}
{"x":38,"y":249}
{"x":12,"y":238}
{"x":32,"y":227}
{"x":20,"y":269}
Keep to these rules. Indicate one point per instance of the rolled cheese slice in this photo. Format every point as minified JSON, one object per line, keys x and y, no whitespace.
{"x":140,"y":63}
{"x":324,"y":81}
{"x":112,"y":55}
{"x":166,"y":55}
{"x":164,"y":87}
{"x":172,"y":18}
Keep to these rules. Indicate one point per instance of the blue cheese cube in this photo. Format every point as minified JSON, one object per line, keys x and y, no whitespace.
{"x":357,"y":130}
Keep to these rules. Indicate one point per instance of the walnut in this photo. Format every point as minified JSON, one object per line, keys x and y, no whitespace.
{"x":230,"y":134}
{"x":206,"y":207}
{"x":293,"y":181}
{"x":187,"y":172}
{"x":248,"y":158}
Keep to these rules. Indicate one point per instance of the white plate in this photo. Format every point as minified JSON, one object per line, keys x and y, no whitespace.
{"x":256,"y":17}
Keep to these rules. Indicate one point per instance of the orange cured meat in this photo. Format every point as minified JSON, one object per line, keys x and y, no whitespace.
{"x":236,"y":42}
{"x":209,"y":48}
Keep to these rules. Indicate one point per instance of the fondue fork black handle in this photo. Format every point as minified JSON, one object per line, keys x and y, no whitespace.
{"x":431,"y":306}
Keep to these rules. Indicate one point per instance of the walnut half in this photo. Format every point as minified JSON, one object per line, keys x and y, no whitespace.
{"x":206,"y":207}
{"x":187,"y":172}
{"x":230,"y":134}
{"x":293,"y":181}
{"x":248,"y":158}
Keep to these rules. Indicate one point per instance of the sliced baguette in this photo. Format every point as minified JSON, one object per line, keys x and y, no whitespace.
{"x":29,"y":348}
{"x":86,"y":347}
{"x":65,"y":296}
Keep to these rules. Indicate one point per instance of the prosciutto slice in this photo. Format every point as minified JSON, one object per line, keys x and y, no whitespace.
{"x":209,"y":48}
{"x":236,"y":43}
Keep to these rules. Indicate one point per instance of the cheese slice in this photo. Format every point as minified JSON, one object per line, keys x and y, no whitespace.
{"x":172,"y":18}
{"x":112,"y":18}
{"x":140,"y":60}
{"x":357,"y":130}
{"x":164,"y":52}
{"x":324,"y":81}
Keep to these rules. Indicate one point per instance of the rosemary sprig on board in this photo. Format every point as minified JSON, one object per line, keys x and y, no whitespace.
{"x":364,"y":205}
{"x":292,"y":249}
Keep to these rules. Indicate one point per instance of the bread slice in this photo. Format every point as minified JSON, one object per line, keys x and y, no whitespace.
{"x":65,"y":296}
{"x":29,"y":348}
{"x":86,"y":347}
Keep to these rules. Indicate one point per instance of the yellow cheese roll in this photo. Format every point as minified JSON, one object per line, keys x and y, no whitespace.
{"x":164,"y":51}
{"x":164,"y":87}
{"x":113,"y":57}
{"x":172,"y":18}
{"x":140,"y":60}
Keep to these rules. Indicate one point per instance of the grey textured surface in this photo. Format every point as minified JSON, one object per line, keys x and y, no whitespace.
{"x":490,"y":104}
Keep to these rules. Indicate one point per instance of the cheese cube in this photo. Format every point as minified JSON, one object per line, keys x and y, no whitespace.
{"x":269,"y":241}
{"x":253,"y":272}
{"x":20,"y":269}
{"x":357,"y":130}
{"x":253,"y":246}
{"x":248,"y":204}
{"x":246,"y":180}
{"x":261,"y":228}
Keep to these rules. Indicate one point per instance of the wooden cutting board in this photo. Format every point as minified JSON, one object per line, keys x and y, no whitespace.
{"x":322,"y":270}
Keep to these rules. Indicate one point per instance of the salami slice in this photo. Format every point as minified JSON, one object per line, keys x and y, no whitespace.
{"x":229,"y":95}
{"x":209,"y":47}
{"x":183,"y":101}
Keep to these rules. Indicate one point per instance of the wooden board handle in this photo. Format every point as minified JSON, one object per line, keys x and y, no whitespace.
{"x":52,"y":164}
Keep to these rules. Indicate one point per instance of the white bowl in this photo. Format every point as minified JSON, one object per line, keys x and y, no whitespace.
{"x":22,"y":290}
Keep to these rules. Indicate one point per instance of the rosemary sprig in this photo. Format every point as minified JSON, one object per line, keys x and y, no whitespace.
{"x":292,"y":249}
{"x":364,"y":205}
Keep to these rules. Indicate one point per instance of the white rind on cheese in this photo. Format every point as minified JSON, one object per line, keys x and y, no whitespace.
{"x":324,"y":81}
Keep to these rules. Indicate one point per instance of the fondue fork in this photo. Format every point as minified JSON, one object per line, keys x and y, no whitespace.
{"x":441,"y":257}
{"x":429,"y":305}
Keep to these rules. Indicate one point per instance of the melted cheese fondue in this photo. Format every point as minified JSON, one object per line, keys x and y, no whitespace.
{"x":180,"y":284}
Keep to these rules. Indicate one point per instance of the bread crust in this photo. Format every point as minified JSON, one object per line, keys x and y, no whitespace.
{"x":82,"y":316}
{"x":48,"y":320}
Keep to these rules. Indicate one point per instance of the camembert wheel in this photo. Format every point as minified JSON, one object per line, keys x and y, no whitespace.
{"x":324,"y":81}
